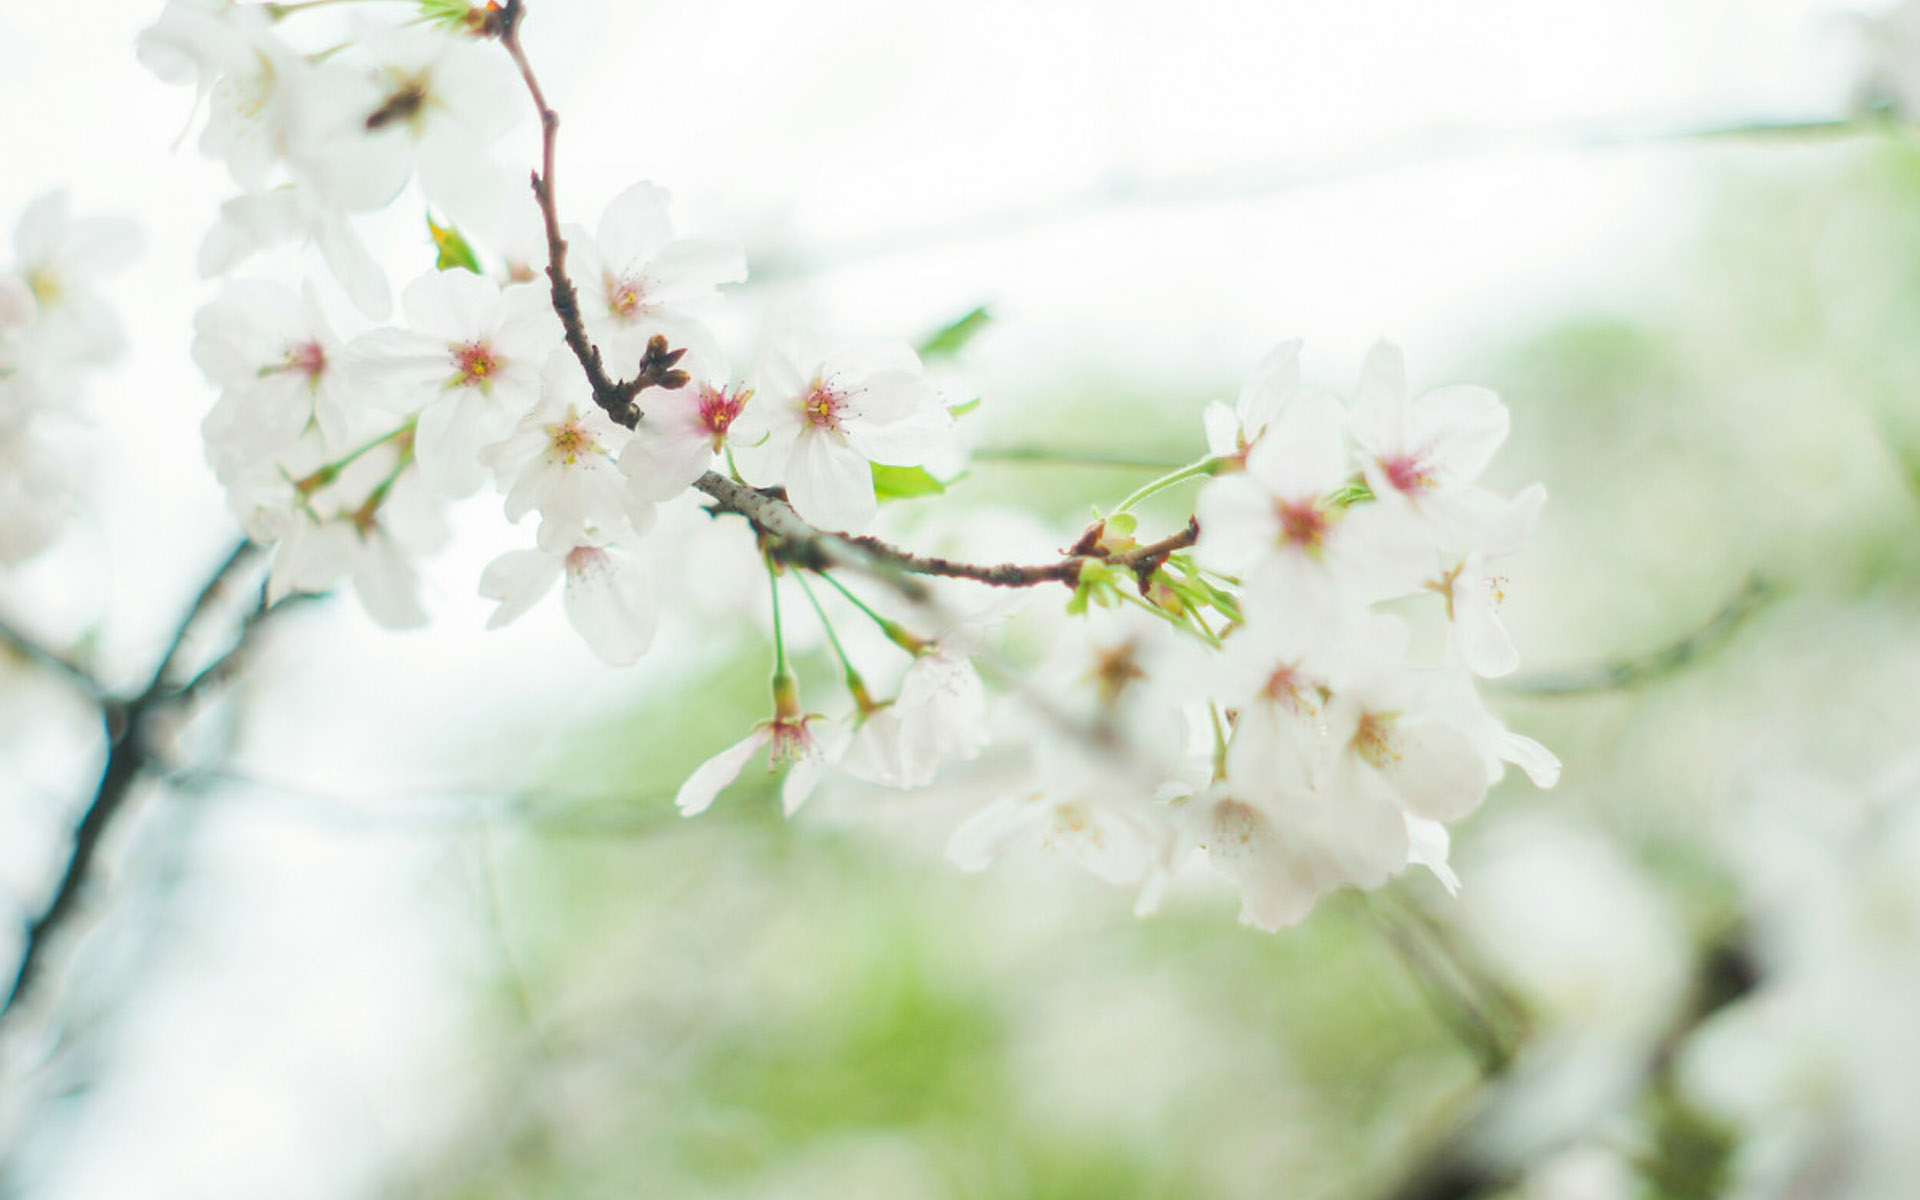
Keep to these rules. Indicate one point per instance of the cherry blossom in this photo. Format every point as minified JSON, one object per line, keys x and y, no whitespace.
{"x":1281,"y":524}
{"x":560,"y":462}
{"x":676,"y":441}
{"x":441,"y":99}
{"x":1231,"y":432}
{"x":279,"y":368}
{"x":820,"y":420}
{"x":1424,"y":455}
{"x":940,"y":714}
{"x":638,"y":280}
{"x":470,"y":366}
{"x":609,"y":594}
{"x":789,"y":740}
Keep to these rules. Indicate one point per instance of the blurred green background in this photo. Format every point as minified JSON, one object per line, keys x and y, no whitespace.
{"x":741,"y":1007}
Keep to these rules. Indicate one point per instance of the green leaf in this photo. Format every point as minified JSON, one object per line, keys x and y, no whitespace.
{"x":904,"y":483}
{"x":961,"y":410}
{"x":953,"y":337}
{"x":454,"y":252}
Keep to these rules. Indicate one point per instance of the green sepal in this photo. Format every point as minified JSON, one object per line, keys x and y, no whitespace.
{"x":448,"y":14}
{"x":454,"y":252}
{"x":1353,"y":491}
{"x":1100,"y":583}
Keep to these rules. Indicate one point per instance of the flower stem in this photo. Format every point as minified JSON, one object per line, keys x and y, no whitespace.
{"x":855,"y":684}
{"x":780,"y":672}
{"x":1193,"y":470}
{"x":325,"y":475}
{"x":1219,"y":742}
{"x":896,"y":633}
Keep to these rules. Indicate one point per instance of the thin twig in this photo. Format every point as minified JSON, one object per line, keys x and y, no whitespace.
{"x":1632,"y":672}
{"x":799,"y":542}
{"x":129,"y":754}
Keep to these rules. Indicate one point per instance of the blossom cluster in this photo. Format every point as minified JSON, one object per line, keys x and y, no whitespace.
{"x":1279,"y":724}
{"x":1235,"y":693}
{"x":54,"y":329}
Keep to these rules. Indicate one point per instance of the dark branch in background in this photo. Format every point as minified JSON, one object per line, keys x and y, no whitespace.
{"x":794,"y":540}
{"x":1688,"y":1151}
{"x":1631,"y":672}
{"x":131,"y":753}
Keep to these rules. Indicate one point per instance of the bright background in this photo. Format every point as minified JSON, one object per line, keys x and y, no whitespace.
{"x":441,"y":936}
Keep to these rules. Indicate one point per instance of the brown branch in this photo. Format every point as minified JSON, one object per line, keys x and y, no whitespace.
{"x":616,"y":397}
{"x":130,"y":752}
{"x":798,"y":542}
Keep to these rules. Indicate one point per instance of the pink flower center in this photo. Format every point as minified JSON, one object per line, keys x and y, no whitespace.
{"x":302,"y":358}
{"x":624,"y":297}
{"x":583,"y":561}
{"x":822,"y":406}
{"x":474,"y":365}
{"x":788,"y":740}
{"x":1287,"y":688}
{"x":1406,"y":473}
{"x":717,"y":410}
{"x":1302,"y":524}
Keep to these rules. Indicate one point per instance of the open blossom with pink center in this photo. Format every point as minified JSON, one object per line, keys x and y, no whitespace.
{"x":609,"y":595}
{"x":560,"y":462}
{"x":819,"y":422}
{"x":1099,"y":812}
{"x":637,"y":279}
{"x":1423,"y":455}
{"x":279,"y":367}
{"x":1280,"y":525}
{"x":789,"y":740}
{"x":675,"y":442}
{"x":470,"y":365}
{"x":1275,"y":849}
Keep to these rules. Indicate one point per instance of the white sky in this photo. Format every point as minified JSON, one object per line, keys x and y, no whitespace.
{"x":286,"y":1033}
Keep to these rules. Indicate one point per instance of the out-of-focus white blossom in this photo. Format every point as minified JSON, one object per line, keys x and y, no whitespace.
{"x":279,"y":368}
{"x":609,"y":595}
